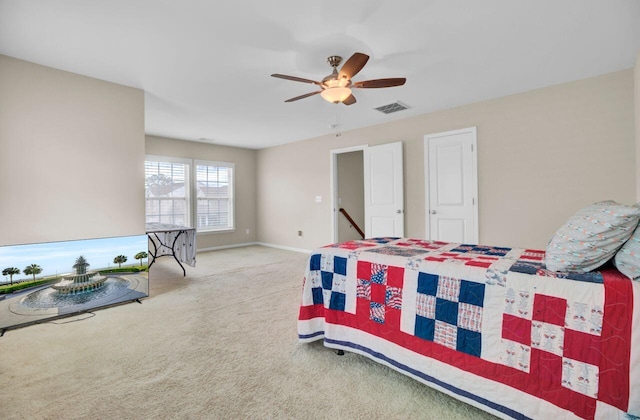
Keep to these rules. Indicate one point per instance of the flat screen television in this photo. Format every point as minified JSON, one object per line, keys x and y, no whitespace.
{"x":45,"y":281}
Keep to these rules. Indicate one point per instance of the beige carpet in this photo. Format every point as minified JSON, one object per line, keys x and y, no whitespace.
{"x":220,"y":343}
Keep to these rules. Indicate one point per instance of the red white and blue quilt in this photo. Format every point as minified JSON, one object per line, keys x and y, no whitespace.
{"x":488,"y":325}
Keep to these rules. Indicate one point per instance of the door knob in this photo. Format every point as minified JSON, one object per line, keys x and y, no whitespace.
{"x":432,"y":212}
{"x":398,"y":211}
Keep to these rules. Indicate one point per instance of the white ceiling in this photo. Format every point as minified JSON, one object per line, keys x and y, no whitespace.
{"x":205,"y":65}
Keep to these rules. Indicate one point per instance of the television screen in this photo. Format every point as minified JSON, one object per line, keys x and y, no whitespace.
{"x":50,"y":280}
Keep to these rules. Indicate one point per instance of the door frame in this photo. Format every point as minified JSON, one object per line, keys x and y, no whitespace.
{"x":474,"y":162}
{"x":333,"y":179}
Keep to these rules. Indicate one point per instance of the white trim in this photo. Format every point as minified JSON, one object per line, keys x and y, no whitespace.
{"x":349,"y":149}
{"x":214,"y":163}
{"x":212,"y":231}
{"x":170,"y":159}
{"x":216,"y":248}
{"x":286,"y":248}
{"x":333,"y":183}
{"x":245,"y":244}
{"x":232,"y":193}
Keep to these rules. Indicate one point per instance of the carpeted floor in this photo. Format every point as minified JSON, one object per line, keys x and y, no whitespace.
{"x":220,"y":343}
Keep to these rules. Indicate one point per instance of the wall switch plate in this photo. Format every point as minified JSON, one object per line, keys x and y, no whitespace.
{"x":318,"y":199}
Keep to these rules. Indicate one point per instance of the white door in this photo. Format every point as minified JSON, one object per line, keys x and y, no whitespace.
{"x":452,"y":183}
{"x":383,"y":191}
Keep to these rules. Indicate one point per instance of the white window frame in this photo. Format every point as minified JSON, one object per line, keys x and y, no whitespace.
{"x":232,"y":188}
{"x":191,"y":190}
{"x":188,"y":184}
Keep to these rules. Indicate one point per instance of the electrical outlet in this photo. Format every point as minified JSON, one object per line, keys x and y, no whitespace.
{"x":299,"y":234}
{"x":247,"y":231}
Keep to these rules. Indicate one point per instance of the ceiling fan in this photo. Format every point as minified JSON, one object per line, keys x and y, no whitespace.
{"x":336,"y":87}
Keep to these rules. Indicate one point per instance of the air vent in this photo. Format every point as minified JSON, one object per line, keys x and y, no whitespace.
{"x":392,"y":107}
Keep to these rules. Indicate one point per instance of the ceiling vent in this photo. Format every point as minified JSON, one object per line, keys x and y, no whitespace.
{"x":392,"y":107}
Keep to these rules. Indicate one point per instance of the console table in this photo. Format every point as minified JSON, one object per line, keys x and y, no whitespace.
{"x":175,"y":240}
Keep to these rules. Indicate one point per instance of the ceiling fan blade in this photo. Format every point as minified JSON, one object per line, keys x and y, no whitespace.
{"x":350,"y":100}
{"x":295,"y":79}
{"x":306,"y":95}
{"x":380,"y":83}
{"x":353,"y":65}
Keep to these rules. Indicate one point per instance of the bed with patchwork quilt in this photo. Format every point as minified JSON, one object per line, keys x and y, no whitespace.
{"x":491,"y":326}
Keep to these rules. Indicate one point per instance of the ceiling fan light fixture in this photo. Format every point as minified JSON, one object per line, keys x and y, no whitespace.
{"x":336,"y":87}
{"x":336,"y":94}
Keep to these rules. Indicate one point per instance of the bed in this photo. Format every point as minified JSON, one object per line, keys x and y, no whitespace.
{"x":491,"y":326}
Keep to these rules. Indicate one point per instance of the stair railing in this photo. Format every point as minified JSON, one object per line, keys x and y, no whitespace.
{"x":353,"y":223}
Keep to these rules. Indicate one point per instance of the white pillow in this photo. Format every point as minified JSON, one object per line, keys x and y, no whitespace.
{"x":627,"y":260}
{"x":591,"y":237}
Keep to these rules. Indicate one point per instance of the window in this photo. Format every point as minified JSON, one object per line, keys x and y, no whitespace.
{"x":166,"y":188}
{"x":214,"y":195}
{"x":179,"y":191}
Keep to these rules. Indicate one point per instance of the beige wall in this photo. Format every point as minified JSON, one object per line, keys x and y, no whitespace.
{"x":636,"y":79}
{"x":541,"y":156}
{"x":71,"y":156}
{"x":245,"y":184}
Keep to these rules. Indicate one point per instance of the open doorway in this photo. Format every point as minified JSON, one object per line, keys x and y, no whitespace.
{"x":367,"y":182}
{"x":348,"y":193}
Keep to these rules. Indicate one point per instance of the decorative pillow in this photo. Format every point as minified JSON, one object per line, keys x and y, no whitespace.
{"x":591,"y":237}
{"x":627,"y":260}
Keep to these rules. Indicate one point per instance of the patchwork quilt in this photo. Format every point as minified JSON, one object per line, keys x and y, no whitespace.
{"x":489,"y":325}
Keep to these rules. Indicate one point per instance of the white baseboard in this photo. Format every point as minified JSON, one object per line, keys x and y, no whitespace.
{"x":286,"y":248}
{"x":216,"y":248}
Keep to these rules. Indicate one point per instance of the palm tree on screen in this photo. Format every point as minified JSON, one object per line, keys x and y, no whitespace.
{"x":119,"y":260}
{"x":32,"y":269}
{"x":140,"y":256}
{"x":10,"y":271}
